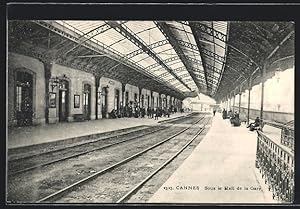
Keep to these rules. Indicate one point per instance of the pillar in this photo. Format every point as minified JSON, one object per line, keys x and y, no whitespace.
{"x":140,"y":92}
{"x":227,"y":103}
{"x":166,"y":101}
{"x":97,"y":84}
{"x":248,"y":111}
{"x":263,"y":75}
{"x":240,"y":98}
{"x":159,"y":100}
{"x":47,"y":74}
{"x":123,"y":94}
{"x":151,"y":100}
{"x":233,"y":101}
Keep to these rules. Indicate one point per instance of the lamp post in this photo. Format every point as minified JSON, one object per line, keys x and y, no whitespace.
{"x":54,"y":82}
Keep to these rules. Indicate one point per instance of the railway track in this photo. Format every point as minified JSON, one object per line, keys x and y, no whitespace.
{"x":19,"y":153}
{"x":47,"y":179}
{"x":36,"y":161}
{"x":118,"y":170}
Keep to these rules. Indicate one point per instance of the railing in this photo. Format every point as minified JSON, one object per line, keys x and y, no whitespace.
{"x":287,"y":134}
{"x":276,"y":165}
{"x":287,"y":138}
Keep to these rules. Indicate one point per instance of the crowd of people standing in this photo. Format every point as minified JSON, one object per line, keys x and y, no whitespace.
{"x":135,"y":111}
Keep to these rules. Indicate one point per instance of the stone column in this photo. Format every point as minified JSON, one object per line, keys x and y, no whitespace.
{"x":97,"y":84}
{"x":123,"y":94}
{"x":140,"y":92}
{"x":47,"y":74}
{"x":159,"y":100}
{"x":151,"y":99}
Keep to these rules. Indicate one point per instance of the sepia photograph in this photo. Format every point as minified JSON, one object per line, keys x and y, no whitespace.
{"x":150,"y":111}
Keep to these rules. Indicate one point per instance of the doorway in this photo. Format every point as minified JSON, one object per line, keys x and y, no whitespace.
{"x":142,"y":102}
{"x":24,"y":99}
{"x":126,"y":98}
{"x":63,"y":101}
{"x":87,"y":101}
{"x":117,"y":100}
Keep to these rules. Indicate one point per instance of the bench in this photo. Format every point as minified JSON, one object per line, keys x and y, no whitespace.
{"x":78,"y":117}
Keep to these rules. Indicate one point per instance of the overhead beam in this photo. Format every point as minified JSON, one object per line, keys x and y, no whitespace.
{"x":196,"y":37}
{"x":171,"y":59}
{"x":134,"y":39}
{"x":89,"y":35}
{"x":216,"y":60}
{"x":163,"y":27}
{"x":220,"y":36}
{"x":97,"y":47}
{"x":209,"y":30}
{"x":151,"y":46}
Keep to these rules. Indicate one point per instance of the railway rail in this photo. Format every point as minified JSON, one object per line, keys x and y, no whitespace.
{"x":107,"y":171}
{"x":18,"y":153}
{"x":35,"y":161}
{"x":54,"y":177}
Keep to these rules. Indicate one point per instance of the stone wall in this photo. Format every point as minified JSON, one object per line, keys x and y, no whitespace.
{"x":17,"y":62}
{"x":267,"y":115}
{"x":76,"y":81}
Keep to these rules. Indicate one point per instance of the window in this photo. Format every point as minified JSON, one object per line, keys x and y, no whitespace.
{"x":85,"y":99}
{"x":19,"y":98}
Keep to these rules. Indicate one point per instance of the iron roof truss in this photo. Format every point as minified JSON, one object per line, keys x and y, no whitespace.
{"x":174,"y":42}
{"x":125,"y":31}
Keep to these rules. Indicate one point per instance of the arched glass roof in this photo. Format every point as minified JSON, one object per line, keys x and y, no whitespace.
{"x":167,"y":63}
{"x":214,"y":58}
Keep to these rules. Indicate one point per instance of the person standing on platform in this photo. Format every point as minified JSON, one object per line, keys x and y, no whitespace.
{"x":156,"y":114}
{"x":214,"y":111}
{"x":148,"y":112}
{"x":142,"y":112}
{"x":224,"y":114}
{"x":130,"y":110}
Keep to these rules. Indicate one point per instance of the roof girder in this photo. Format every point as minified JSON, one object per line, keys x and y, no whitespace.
{"x":196,"y":37}
{"x":134,"y":39}
{"x":208,"y":30}
{"x":211,"y":57}
{"x":89,"y":35}
{"x":205,"y":51}
{"x":174,"y":42}
{"x":166,"y":61}
{"x":151,"y":46}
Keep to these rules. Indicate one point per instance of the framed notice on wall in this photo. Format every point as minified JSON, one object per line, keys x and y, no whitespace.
{"x":52,"y":100}
{"x":76,"y":101}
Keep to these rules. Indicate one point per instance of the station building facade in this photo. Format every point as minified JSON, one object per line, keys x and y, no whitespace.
{"x":69,"y":93}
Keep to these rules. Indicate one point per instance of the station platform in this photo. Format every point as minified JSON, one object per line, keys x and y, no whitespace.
{"x":31,"y":135}
{"x":221,"y":169}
